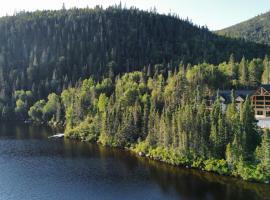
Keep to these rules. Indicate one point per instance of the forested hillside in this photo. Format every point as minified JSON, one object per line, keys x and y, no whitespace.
{"x":256,"y":29}
{"x":47,"y":51}
{"x":166,"y":116}
{"x":136,"y":80}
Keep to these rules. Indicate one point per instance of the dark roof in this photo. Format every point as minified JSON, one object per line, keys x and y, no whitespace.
{"x":226,"y":94}
{"x":266,"y":86}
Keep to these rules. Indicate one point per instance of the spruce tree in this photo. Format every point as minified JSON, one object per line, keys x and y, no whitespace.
{"x":217,"y":129}
{"x":244,"y":73}
{"x":249,"y":136}
{"x":263,"y":151}
{"x":266,"y":71}
{"x":233,"y":68}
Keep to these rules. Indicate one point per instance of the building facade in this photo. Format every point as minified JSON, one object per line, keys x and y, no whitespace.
{"x":260,"y":99}
{"x":261,"y":102}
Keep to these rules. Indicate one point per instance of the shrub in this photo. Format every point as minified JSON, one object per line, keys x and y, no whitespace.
{"x":218,"y":166}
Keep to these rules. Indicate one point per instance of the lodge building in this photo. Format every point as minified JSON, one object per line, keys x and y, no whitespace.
{"x":260,"y":99}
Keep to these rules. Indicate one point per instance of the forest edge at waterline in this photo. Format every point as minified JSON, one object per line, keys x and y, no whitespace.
{"x":124,"y":88}
{"x":31,"y":165}
{"x":167,"y":118}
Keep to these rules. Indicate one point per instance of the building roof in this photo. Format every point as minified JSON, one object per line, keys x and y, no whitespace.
{"x":226,"y":94}
{"x":266,"y":86}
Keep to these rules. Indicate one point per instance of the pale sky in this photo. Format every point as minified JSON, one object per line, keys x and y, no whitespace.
{"x":216,"y":14}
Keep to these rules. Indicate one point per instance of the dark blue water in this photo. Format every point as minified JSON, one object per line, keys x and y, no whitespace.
{"x":35,"y":167}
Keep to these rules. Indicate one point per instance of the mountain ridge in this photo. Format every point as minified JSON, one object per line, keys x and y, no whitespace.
{"x":256,"y":29}
{"x":46,"y":51}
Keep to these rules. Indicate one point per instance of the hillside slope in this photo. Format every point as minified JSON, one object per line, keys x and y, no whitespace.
{"x":46,"y":51}
{"x":256,"y":29}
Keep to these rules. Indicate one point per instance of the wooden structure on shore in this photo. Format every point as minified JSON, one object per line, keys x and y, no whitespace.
{"x":261,"y":102}
{"x":260,"y":99}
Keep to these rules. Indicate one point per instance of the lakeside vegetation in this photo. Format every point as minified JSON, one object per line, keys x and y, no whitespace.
{"x":130,"y":101}
{"x":165,"y":116}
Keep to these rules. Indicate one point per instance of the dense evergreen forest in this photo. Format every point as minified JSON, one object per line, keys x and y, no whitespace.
{"x":256,"y":29}
{"x":47,"y":51}
{"x":131,"y":79}
{"x":165,"y":115}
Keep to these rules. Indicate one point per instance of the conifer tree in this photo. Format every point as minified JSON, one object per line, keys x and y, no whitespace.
{"x":249,"y":135}
{"x":266,"y":72}
{"x":244,"y":72}
{"x":233,"y":68}
{"x":217,"y":132}
{"x":263,"y":151}
{"x":252,"y":73}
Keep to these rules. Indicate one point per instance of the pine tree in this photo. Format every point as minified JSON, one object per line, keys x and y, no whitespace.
{"x":234,"y":149}
{"x":162,"y":131}
{"x":145,"y":117}
{"x":233,"y":68}
{"x":175,"y":137}
{"x":244,"y":72}
{"x":253,"y":74}
{"x":203,"y":130}
{"x":263,"y":151}
{"x":232,"y":118}
{"x":153,"y":128}
{"x":249,"y":135}
{"x":266,"y":72}
{"x":218,"y":129}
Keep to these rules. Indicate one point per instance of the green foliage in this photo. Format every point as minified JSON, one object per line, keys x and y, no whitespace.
{"x":23,"y":101}
{"x":21,"y":108}
{"x":88,"y":130}
{"x":48,"y":51}
{"x":36,"y":111}
{"x":251,"y":172}
{"x":52,"y":108}
{"x":165,"y":116}
{"x":142,"y":147}
{"x":266,"y":71}
{"x":102,"y":102}
{"x":218,"y":166}
{"x":249,"y":137}
{"x":255,"y":29}
{"x":218,"y":132}
{"x":263,"y":151}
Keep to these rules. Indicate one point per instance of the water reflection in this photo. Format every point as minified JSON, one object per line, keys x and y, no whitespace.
{"x":188,"y":183}
{"x":80,"y":170}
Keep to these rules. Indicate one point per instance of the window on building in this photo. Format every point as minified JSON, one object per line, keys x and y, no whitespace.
{"x":260,"y":103}
{"x":267,"y":113}
{"x":259,"y":97}
{"x":259,"y":112}
{"x":267,"y":97}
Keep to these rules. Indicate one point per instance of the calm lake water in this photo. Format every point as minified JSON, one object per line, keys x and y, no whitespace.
{"x":35,"y":167}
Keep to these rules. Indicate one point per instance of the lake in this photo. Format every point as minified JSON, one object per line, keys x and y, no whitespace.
{"x":35,"y":167}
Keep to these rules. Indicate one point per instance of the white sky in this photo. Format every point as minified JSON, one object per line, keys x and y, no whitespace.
{"x":216,"y":14}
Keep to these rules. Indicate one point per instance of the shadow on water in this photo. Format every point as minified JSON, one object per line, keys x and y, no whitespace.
{"x":188,"y":183}
{"x":185,"y":183}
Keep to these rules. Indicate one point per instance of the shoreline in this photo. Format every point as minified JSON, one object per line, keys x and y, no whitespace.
{"x":158,"y":157}
{"x":183,"y":165}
